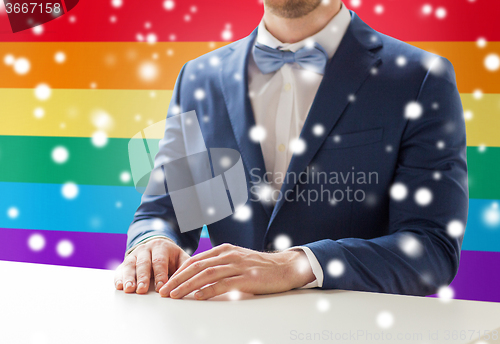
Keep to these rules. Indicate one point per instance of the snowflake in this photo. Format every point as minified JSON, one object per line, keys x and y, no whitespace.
{"x":99,"y":138}
{"x":22,"y":65}
{"x":243,"y":213}
{"x":335,"y":268}
{"x":355,"y":3}
{"x":455,"y":228}
{"x":60,"y":154}
{"x":199,"y":94}
{"x":282,"y":242}
{"x":492,"y":62}
{"x":401,"y":61}
{"x":43,"y":91}
{"x":169,"y":5}
{"x":385,"y":320}
{"x":298,"y":146}
{"x":481,"y":42}
{"x":36,"y":242}
{"x":478,"y":94}
{"x":318,"y":130}
{"x":410,"y":245}
{"x":445,"y":293}
{"x":441,"y":13}
{"x":69,"y":190}
{"x":323,"y":305}
{"x":39,"y":112}
{"x":379,"y":9}
{"x":12,"y":212}
{"x":125,"y":177}
{"x":491,"y":215}
{"x":60,"y":57}
{"x":427,"y":9}
{"x":65,"y":248}
{"x":257,"y":133}
{"x":423,"y":197}
{"x":398,"y":191}
{"x":413,"y":110}
{"x":148,"y":71}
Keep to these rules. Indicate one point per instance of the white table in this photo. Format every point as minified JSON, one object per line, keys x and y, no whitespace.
{"x":43,"y":304}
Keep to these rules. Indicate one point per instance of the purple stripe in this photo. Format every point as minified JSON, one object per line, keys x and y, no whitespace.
{"x":477,"y":279}
{"x":478,"y":276}
{"x":91,"y":250}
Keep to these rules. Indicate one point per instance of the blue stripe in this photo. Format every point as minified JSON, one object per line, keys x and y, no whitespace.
{"x":42,"y":206}
{"x":481,"y":235}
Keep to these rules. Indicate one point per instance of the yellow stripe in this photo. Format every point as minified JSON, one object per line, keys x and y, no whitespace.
{"x":79,"y":113}
{"x":82,"y":112}
{"x":483,"y":128}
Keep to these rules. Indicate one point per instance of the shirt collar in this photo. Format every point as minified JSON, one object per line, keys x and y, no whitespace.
{"x":329,"y":37}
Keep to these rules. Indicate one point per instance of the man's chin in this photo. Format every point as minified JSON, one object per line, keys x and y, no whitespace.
{"x":291,"y":8}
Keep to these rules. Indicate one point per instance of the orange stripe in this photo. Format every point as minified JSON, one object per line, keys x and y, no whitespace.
{"x":468,"y":61}
{"x":116,"y":65}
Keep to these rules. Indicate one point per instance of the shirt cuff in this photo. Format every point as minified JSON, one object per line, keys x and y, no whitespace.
{"x":315,"y":266}
{"x":145,"y":241}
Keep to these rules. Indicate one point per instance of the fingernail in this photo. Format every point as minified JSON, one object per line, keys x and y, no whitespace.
{"x":174,"y":292}
{"x":159,"y":285}
{"x":118,"y":283}
{"x":128,"y":284}
{"x":140,"y":285}
{"x":164,"y":291}
{"x":198,"y":294}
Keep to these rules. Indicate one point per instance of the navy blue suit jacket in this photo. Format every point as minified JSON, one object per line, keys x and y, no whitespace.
{"x":375,"y":136}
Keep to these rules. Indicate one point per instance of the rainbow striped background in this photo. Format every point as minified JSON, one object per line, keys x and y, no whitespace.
{"x":107,"y":69}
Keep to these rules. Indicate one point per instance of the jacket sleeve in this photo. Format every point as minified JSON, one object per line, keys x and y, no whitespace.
{"x":155,"y":215}
{"x":422,"y":250}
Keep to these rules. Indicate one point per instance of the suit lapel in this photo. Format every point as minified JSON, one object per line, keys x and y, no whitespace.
{"x":234,"y":85}
{"x":344,"y":75}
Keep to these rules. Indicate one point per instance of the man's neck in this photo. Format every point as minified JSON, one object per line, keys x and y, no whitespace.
{"x":292,"y":30}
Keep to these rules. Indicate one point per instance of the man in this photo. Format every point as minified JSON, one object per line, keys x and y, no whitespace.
{"x":314,"y":90}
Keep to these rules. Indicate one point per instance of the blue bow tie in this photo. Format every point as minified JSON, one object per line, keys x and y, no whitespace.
{"x":270,"y":60}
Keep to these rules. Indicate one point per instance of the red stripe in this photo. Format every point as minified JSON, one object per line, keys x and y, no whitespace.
{"x":403,"y":19}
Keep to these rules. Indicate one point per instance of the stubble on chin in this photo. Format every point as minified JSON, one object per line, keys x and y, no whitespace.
{"x":291,"y":8}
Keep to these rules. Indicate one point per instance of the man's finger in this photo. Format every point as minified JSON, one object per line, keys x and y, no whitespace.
{"x":160,"y":260}
{"x":118,"y":278}
{"x":143,"y":271}
{"x":180,"y":277}
{"x":223,"y":286}
{"x":183,"y":256}
{"x":208,"y":276}
{"x":213,"y":252}
{"x":128,"y":271}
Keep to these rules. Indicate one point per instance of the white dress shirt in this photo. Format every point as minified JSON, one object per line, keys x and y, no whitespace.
{"x":281,"y":101}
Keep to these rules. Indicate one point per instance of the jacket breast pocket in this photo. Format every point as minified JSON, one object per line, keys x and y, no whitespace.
{"x":359,"y":138}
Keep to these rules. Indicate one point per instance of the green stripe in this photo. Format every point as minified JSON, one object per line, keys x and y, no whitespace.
{"x":28,"y":159}
{"x":484,"y":172}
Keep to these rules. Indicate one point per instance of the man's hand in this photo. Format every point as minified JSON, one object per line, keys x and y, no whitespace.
{"x":160,"y":256}
{"x":226,"y":268}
